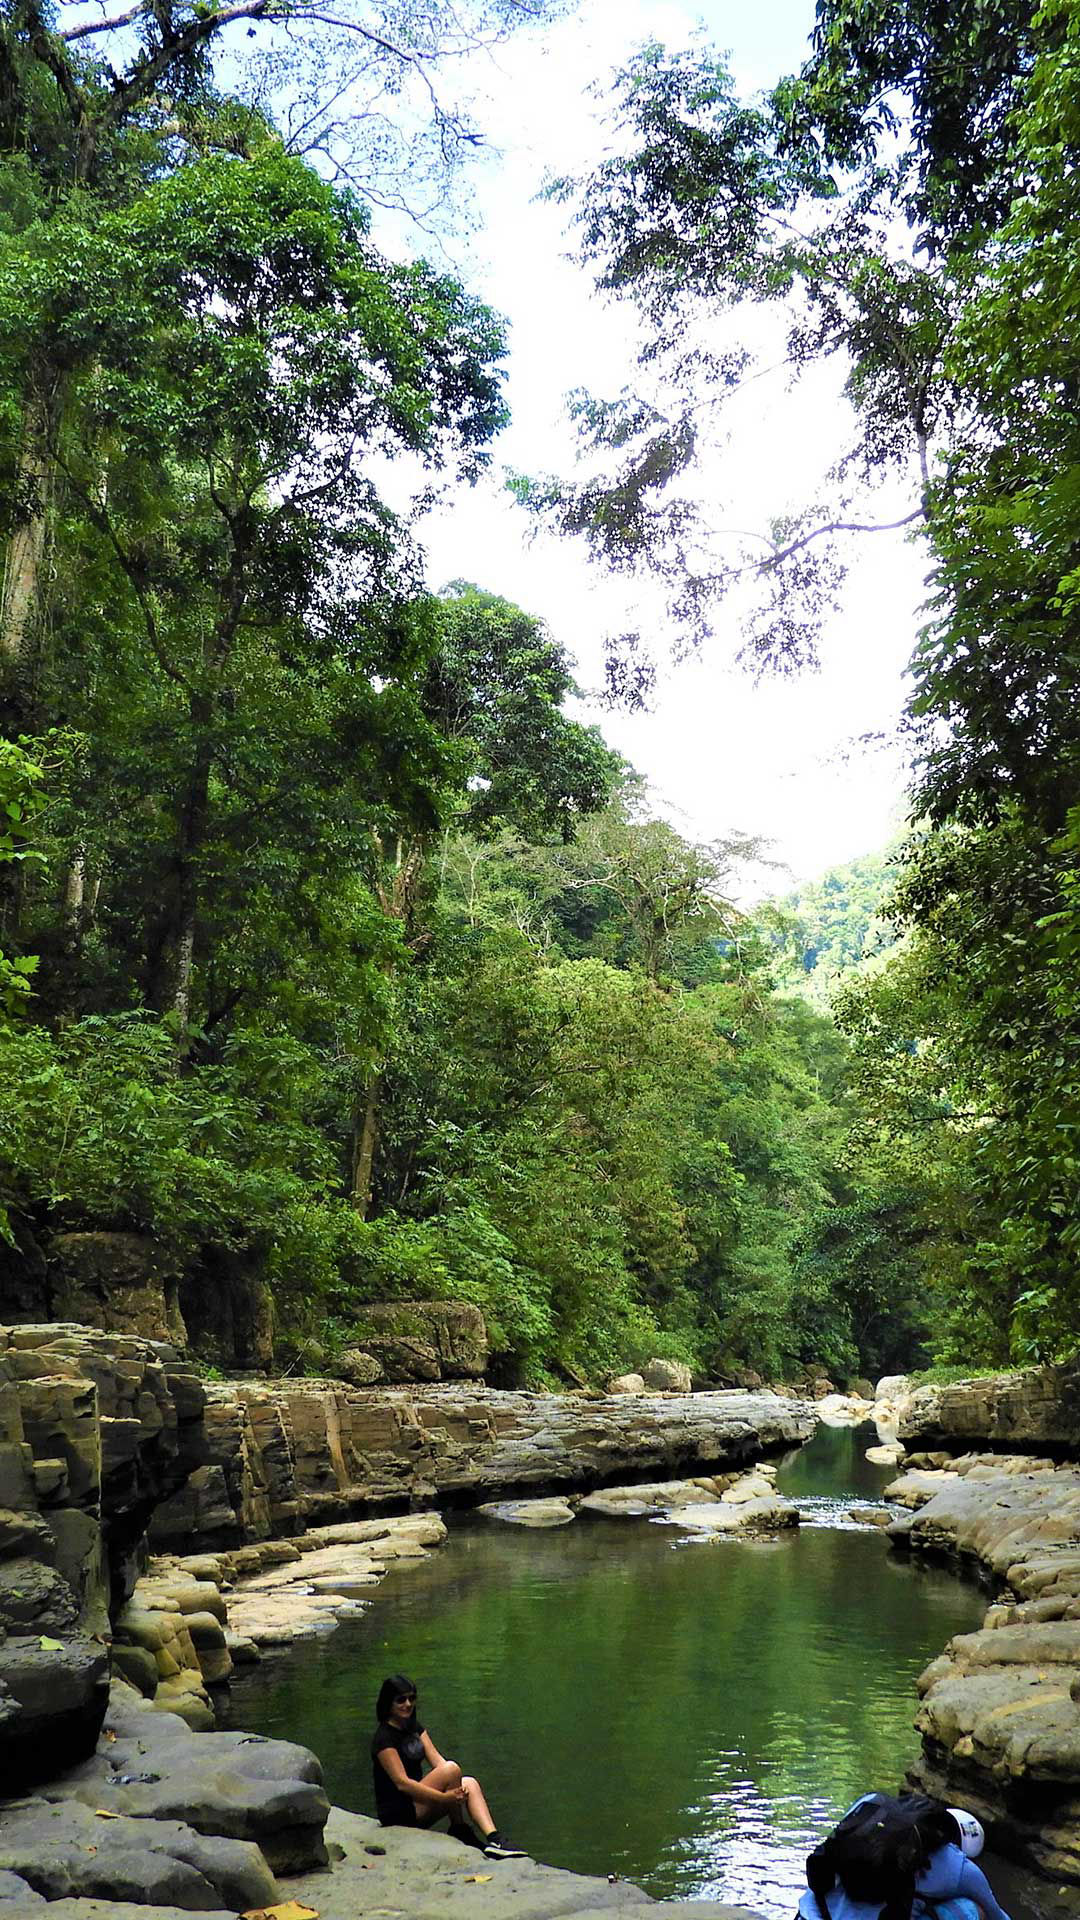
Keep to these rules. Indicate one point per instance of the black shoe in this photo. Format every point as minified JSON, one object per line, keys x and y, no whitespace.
{"x":496,"y":1847}
{"x":461,"y":1830}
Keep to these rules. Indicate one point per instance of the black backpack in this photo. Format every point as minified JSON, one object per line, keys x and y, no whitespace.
{"x":877,"y":1850}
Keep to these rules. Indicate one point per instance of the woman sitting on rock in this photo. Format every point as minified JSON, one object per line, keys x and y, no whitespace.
{"x":406,"y":1796}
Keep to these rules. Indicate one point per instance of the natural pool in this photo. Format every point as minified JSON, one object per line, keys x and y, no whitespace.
{"x":689,"y":1715}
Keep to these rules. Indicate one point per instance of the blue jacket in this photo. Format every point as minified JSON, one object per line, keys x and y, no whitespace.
{"x":949,"y":1876}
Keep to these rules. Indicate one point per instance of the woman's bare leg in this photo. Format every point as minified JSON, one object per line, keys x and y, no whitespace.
{"x":479,"y":1811}
{"x":448,"y":1774}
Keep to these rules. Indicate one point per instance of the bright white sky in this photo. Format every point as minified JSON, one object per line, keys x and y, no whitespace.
{"x":779,"y":758}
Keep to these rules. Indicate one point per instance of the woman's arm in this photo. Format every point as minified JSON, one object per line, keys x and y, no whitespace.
{"x":431,"y":1752}
{"x":447,"y":1800}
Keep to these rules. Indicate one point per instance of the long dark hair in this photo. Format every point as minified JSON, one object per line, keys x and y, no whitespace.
{"x":391,"y":1690}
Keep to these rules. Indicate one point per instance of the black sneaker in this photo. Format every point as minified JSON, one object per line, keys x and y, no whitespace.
{"x":497,"y":1847}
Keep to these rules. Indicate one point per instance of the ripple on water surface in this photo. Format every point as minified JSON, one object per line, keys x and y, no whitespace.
{"x":690,"y":1716}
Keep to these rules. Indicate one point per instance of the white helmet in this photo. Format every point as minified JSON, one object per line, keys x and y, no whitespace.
{"x":970,"y":1836}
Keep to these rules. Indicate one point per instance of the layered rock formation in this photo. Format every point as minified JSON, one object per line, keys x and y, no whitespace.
{"x":274,"y":1458}
{"x":107,"y":1438}
{"x":999,"y":1723}
{"x":1036,"y":1409}
{"x":88,"y":1445}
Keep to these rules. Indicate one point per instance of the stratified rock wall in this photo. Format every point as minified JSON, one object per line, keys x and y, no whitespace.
{"x":1036,"y":1408}
{"x":274,"y":1458}
{"x":999,"y":1723}
{"x":107,"y":1438}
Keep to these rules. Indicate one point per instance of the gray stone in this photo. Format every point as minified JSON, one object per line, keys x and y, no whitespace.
{"x":528,"y":1513}
{"x":15,"y":1891}
{"x":626,"y":1383}
{"x":358,"y":1368}
{"x":1036,"y":1407}
{"x":666,"y":1376}
{"x":137,"y":1666}
{"x":426,"y":1339}
{"x":119,"y":1282}
{"x":120,"y":1910}
{"x":60,"y":1696}
{"x":871,"y":1516}
{"x":67,"y":1849}
{"x":35,"y":1598}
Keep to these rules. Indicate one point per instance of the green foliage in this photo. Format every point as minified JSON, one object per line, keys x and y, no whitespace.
{"x":833,"y":926}
{"x":364,"y":968}
{"x":21,"y":800}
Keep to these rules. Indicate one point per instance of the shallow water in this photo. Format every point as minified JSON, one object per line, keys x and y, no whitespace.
{"x":691,"y":1715}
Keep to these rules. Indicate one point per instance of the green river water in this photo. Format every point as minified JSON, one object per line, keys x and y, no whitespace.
{"x":690,"y":1715}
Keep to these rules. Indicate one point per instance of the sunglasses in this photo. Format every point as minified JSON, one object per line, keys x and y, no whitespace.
{"x":404,"y":1699}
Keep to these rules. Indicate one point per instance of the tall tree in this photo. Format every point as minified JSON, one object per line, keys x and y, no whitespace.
{"x":846,"y":200}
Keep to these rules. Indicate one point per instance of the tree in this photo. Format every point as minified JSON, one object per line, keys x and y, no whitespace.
{"x":238,"y":356}
{"x":331,"y":74}
{"x":494,"y":686}
{"x":848,"y":199}
{"x":104,"y":104}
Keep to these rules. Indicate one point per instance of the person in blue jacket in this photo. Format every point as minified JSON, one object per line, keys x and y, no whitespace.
{"x":958,"y":1889}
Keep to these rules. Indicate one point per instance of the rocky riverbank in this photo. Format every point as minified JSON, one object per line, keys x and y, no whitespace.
{"x":1000,"y":1708}
{"x":296,"y":1495}
{"x":159,"y":1822}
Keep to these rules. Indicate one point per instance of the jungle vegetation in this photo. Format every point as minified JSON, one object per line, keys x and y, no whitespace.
{"x":333,"y":948}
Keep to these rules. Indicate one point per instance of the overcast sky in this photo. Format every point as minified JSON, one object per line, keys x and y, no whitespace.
{"x":777,"y":758}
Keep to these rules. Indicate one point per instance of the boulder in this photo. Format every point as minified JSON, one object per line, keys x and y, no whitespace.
{"x":626,"y":1383}
{"x":359,"y":1369}
{"x":528,"y":1513}
{"x":426,"y":1339}
{"x":118,"y":1282}
{"x":764,"y":1513}
{"x":53,"y":1703}
{"x":70,"y":1850}
{"x":871,"y":1516}
{"x":666,"y":1376}
{"x":840,"y":1409}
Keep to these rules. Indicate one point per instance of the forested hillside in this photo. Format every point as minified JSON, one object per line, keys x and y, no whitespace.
{"x":832,"y":927}
{"x":338,"y":962}
{"x":909,"y":201}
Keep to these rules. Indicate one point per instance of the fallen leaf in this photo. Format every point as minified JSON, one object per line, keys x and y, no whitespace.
{"x":91,"y":1849}
{"x":110,"y":1735}
{"x":104,"y":1813}
{"x":50,"y":1646}
{"x":285,"y":1910}
{"x":479,"y":1879}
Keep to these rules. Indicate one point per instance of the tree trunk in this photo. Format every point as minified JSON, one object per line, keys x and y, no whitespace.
{"x":365,"y":1141}
{"x":24,"y":562}
{"x":171,"y":970}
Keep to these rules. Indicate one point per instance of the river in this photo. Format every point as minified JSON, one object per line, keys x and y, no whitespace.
{"x":692,"y":1715}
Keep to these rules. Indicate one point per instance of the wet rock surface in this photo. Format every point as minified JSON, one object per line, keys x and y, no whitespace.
{"x":431,"y":1877}
{"x":717,"y":1503}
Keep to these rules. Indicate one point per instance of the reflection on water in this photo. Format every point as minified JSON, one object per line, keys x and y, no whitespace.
{"x":689,"y":1716}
